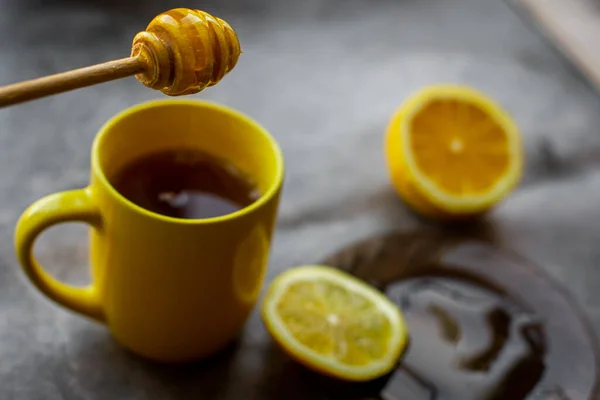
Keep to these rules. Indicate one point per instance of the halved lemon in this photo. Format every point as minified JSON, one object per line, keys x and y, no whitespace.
{"x":453,"y":152}
{"x":334,"y":323}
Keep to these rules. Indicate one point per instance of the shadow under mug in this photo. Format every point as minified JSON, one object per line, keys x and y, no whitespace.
{"x":169,"y":289}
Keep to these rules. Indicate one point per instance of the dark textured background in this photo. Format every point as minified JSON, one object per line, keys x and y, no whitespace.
{"x":323,"y":77}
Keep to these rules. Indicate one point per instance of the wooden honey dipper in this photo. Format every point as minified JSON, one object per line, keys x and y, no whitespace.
{"x":182,"y":51}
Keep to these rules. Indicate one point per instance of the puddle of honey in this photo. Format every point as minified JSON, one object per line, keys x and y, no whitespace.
{"x":485,"y":324}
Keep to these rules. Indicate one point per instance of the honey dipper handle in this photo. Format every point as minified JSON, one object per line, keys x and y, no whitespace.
{"x":70,"y":80}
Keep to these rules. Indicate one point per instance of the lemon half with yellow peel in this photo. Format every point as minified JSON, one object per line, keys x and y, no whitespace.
{"x":334,"y":323}
{"x":453,"y":152}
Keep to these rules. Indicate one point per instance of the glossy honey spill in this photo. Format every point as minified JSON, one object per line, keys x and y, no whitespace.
{"x":484,"y":324}
{"x":469,"y":343}
{"x":186,"y":51}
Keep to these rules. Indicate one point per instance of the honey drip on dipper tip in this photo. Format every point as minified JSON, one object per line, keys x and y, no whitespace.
{"x":186,"y":51}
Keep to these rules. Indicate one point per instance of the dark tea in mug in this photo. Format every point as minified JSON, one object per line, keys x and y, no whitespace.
{"x":185,"y":183}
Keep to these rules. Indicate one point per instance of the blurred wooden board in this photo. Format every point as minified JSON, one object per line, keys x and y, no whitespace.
{"x":574,"y":26}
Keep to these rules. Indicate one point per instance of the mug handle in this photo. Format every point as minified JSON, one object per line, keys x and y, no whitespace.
{"x":68,"y":206}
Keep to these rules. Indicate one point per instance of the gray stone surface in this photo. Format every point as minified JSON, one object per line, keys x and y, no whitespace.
{"x":323,"y":77}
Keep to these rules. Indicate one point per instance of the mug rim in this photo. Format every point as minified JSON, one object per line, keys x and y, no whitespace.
{"x":271,"y":191}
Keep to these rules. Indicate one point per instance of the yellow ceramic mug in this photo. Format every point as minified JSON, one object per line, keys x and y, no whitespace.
{"x":169,"y":289}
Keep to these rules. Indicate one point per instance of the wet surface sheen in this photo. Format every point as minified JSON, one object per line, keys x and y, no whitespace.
{"x":485,"y":324}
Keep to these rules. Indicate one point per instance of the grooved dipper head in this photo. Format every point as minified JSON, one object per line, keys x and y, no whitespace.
{"x":185,"y":51}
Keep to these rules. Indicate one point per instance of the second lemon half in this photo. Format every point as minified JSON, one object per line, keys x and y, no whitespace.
{"x":453,"y":152}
